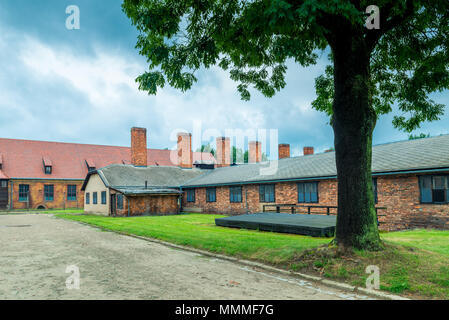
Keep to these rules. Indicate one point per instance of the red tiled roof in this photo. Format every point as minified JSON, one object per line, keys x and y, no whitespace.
{"x":3,"y":176}
{"x":47,"y":161}
{"x":23,"y":158}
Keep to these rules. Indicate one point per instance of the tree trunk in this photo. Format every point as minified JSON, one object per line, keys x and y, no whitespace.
{"x":353,"y":122}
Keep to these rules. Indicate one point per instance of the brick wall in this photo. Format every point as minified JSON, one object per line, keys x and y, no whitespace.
{"x":36,"y":197}
{"x":254,"y":151}
{"x":399,"y":193}
{"x":283,"y":151}
{"x":139,"y":146}
{"x":184,"y":147}
{"x":285,"y":193}
{"x":401,"y":196}
{"x":155,"y":204}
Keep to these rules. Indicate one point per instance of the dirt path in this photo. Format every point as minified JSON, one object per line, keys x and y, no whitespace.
{"x":36,"y":250}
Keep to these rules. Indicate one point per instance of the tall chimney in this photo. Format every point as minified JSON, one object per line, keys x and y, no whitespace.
{"x":185,"y":154}
{"x":139,"y":147}
{"x":223,"y":151}
{"x":254,"y":151}
{"x":308,"y":150}
{"x":284,"y":151}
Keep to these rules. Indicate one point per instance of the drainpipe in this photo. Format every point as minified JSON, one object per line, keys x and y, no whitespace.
{"x":127,"y":200}
{"x":11,"y":200}
{"x":246,"y":198}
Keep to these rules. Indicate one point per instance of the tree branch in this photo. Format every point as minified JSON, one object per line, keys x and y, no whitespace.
{"x":372,"y":36}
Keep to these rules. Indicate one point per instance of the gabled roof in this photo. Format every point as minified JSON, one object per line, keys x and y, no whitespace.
{"x":411,"y":155}
{"x":121,"y":176}
{"x":3,"y":175}
{"x":23,"y":158}
{"x":47,"y":161}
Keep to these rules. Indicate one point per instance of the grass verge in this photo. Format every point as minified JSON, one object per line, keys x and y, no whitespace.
{"x":414,"y":263}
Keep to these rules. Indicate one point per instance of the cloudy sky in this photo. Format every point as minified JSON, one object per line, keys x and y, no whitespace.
{"x":78,"y":86}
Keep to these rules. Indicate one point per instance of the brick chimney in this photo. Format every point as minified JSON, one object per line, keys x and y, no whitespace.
{"x":284,"y":151}
{"x":139,"y":147}
{"x":254,"y":151}
{"x":223,"y":153}
{"x":185,"y":154}
{"x":308,"y":150}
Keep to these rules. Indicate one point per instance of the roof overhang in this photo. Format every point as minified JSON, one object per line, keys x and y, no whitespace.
{"x":374,"y":174}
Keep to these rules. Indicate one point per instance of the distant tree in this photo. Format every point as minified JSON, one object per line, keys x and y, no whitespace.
{"x":418,"y":136}
{"x":237,"y":155}
{"x":402,"y":60}
{"x":206,"y":148}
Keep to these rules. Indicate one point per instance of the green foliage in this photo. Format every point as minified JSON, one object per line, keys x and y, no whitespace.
{"x":418,"y":136}
{"x":254,"y":39}
{"x":206,"y":148}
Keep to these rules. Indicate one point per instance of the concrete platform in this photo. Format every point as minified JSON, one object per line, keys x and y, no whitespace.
{"x":306,"y":224}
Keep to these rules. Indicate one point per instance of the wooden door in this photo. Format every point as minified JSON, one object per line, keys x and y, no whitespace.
{"x":3,"y":194}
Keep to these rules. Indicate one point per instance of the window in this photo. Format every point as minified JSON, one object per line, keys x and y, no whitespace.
{"x":90,"y":165}
{"x":4,"y":184}
{"x":71,"y":192}
{"x":375,"y":189}
{"x":94,"y":198}
{"x":211,"y":195}
{"x":191,"y":195}
{"x":266,"y":193}
{"x":47,"y":169}
{"x":119,"y":201}
{"x":48,"y":192}
{"x":23,"y":192}
{"x":103,"y":197}
{"x":434,"y":189}
{"x":87,"y":198}
{"x":235,"y":194}
{"x":308,"y":192}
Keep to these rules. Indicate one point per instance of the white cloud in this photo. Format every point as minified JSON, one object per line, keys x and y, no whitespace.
{"x":56,"y":93}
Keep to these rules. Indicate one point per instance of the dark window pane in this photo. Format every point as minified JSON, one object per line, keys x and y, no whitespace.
{"x":48,"y":192}
{"x":266,"y":193}
{"x":438,"y":195}
{"x":23,"y":192}
{"x":301,"y":192}
{"x":426,"y":189}
{"x":94,"y":198}
{"x":119,"y":201}
{"x":71,"y":192}
{"x":439,"y":182}
{"x":191,"y":195}
{"x":103,"y":197}
{"x":210,"y":194}
{"x":308,"y":192}
{"x":375,"y":190}
{"x":235,"y":194}
{"x":87,"y":198}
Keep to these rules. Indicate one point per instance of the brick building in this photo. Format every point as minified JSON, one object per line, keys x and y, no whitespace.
{"x":138,"y":188}
{"x":410,"y":179}
{"x":41,"y":174}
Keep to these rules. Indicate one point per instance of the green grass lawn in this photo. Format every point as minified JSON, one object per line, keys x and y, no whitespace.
{"x":414,"y":263}
{"x":431,"y":240}
{"x":199,"y":231}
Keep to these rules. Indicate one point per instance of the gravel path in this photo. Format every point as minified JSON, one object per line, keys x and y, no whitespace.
{"x":36,"y":250}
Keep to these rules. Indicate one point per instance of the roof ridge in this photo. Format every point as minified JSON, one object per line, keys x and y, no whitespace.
{"x":91,"y":144}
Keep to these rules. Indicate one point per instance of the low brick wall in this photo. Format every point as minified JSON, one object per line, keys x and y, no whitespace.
{"x":399,"y":193}
{"x":154,"y":204}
